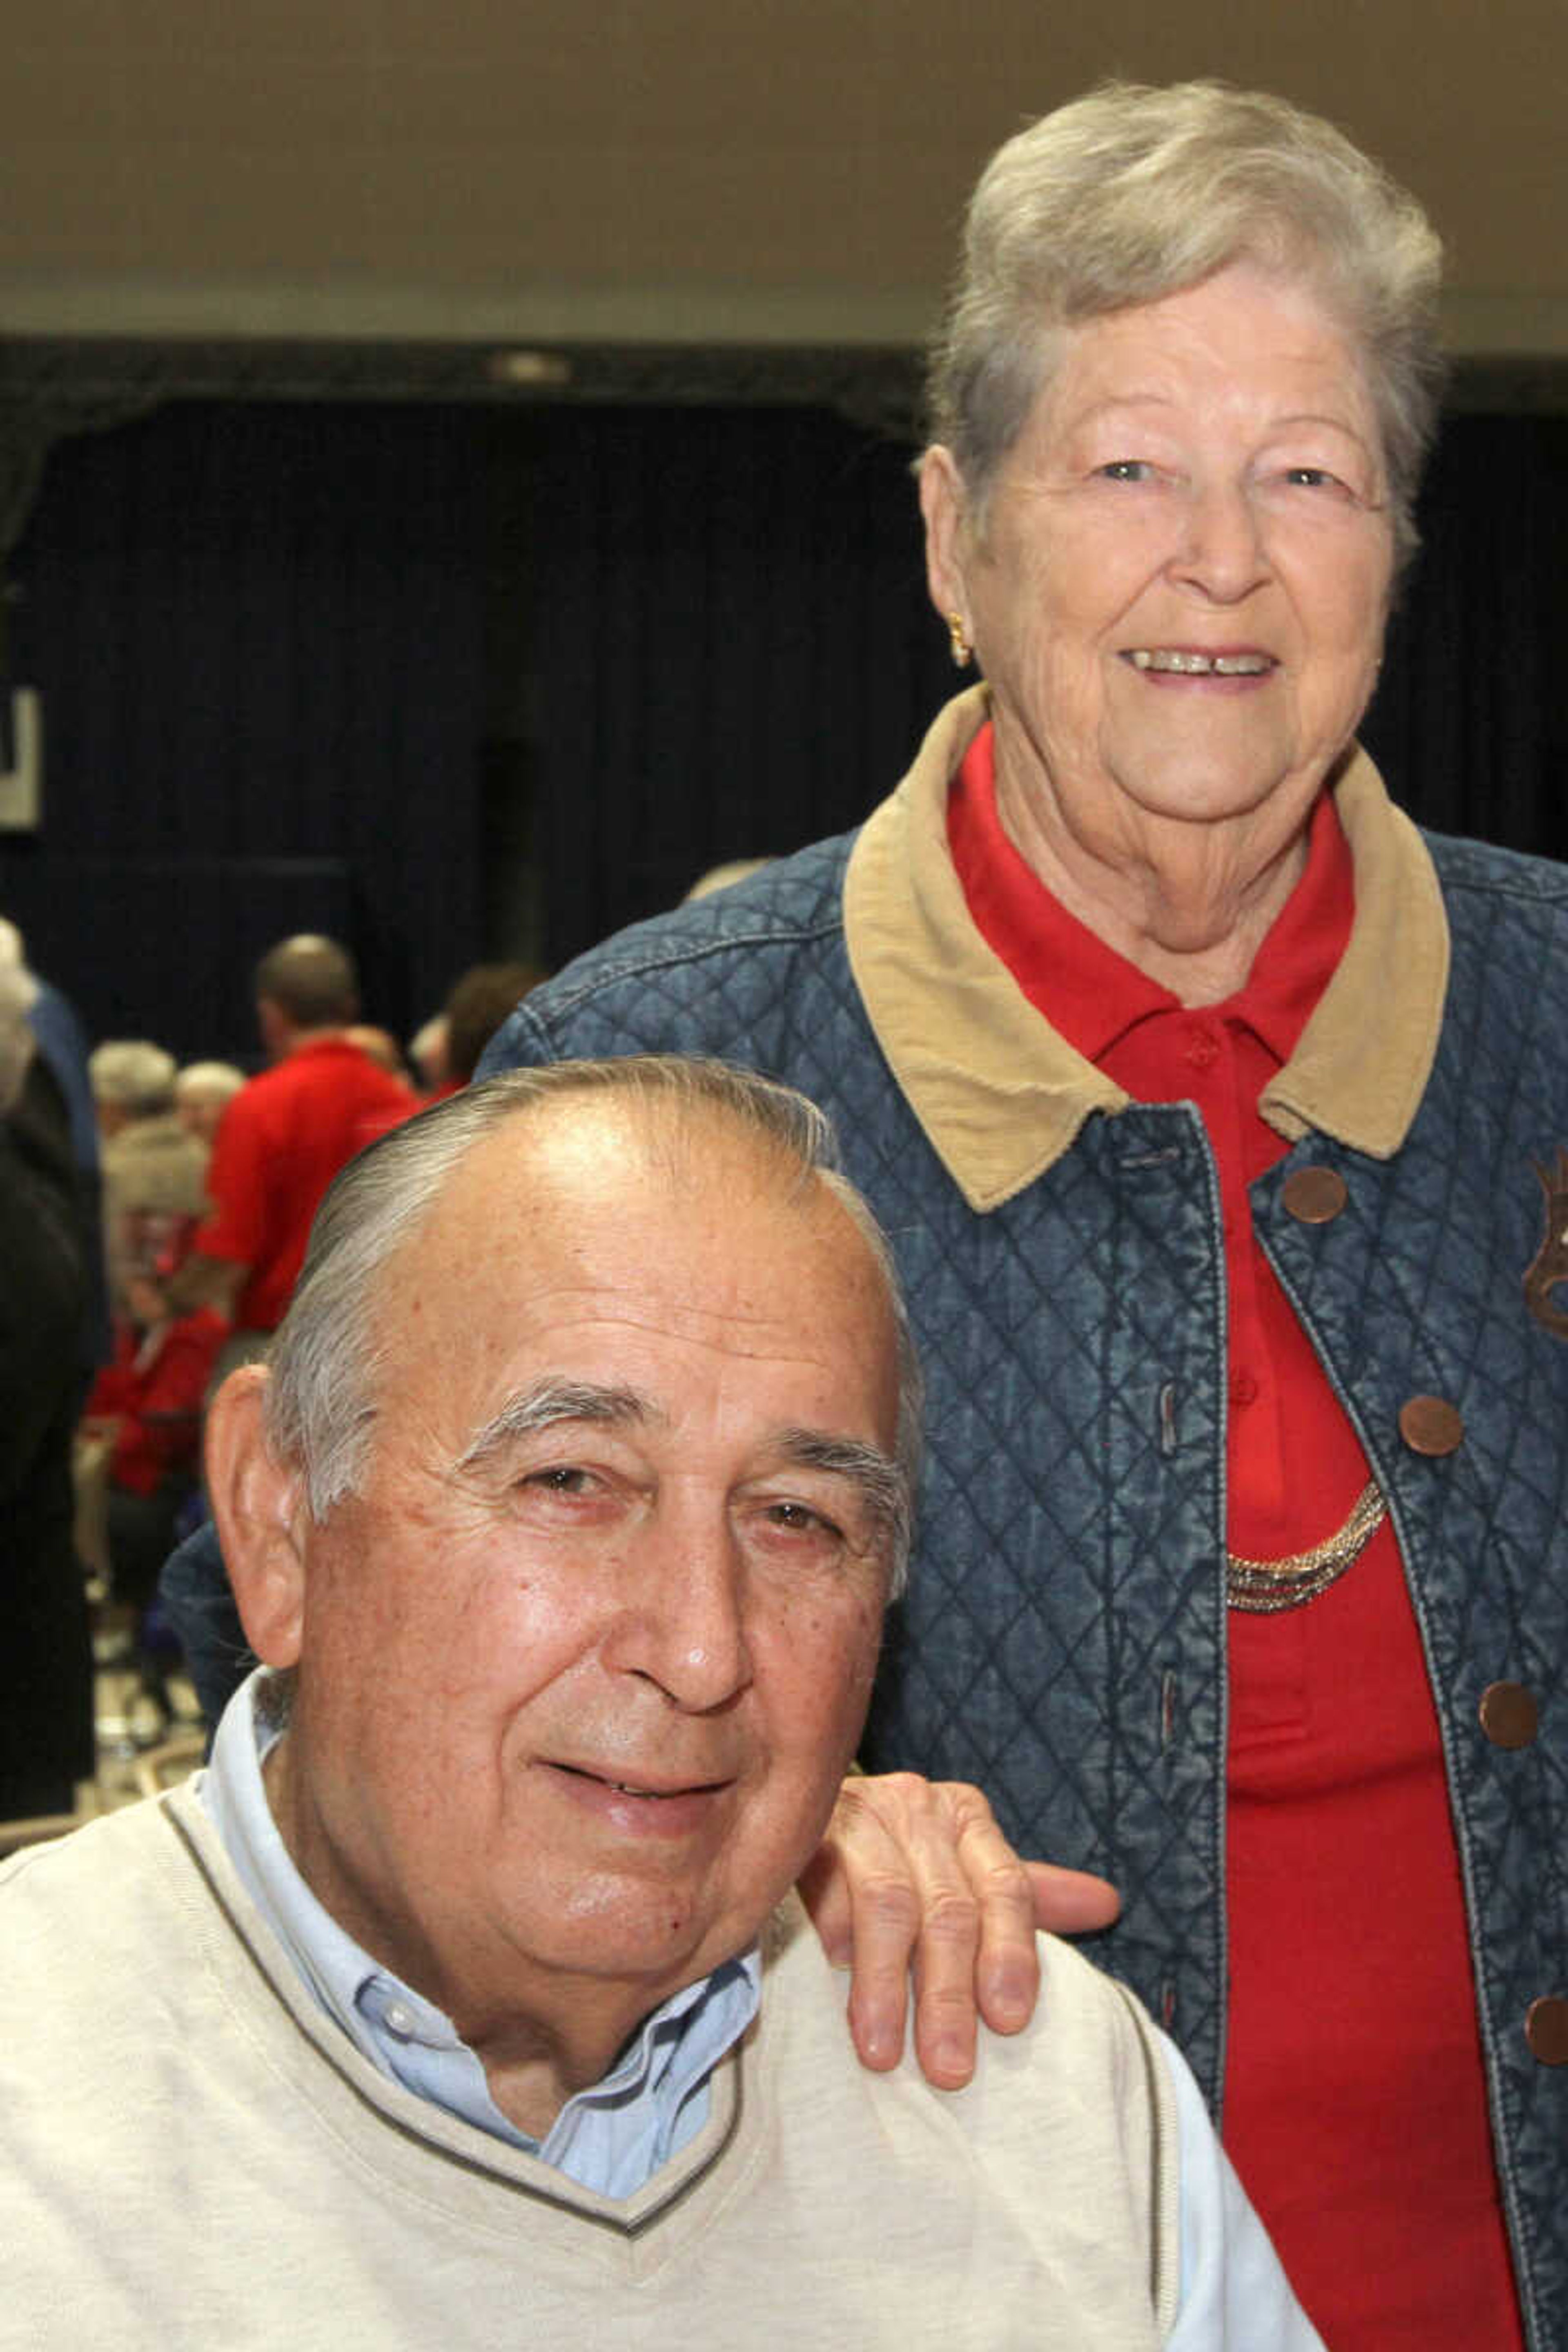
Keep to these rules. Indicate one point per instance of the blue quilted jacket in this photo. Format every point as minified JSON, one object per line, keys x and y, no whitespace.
{"x":1063,"y":1642}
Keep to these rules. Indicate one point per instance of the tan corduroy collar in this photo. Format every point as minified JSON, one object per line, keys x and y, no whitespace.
{"x":1001,"y":1095}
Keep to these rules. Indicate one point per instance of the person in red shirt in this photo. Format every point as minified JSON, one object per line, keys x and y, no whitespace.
{"x":147,"y":1403}
{"x":284,"y":1137}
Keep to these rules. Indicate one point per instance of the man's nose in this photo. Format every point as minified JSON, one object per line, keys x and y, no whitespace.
{"x":683,"y":1620}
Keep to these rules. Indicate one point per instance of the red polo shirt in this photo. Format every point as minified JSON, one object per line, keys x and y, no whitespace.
{"x":1355,"y":2105}
{"x":283,"y":1140}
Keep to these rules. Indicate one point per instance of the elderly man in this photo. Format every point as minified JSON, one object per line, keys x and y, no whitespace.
{"x":464,"y":2000}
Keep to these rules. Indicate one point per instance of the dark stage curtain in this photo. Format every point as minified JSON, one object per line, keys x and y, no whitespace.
{"x":732,"y":654}
{"x":1470,"y":723}
{"x":255,"y":630}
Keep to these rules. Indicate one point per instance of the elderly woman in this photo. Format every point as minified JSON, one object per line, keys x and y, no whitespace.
{"x":1206,"y":1103}
{"x":1210,"y":1108}
{"x":203,"y":1092}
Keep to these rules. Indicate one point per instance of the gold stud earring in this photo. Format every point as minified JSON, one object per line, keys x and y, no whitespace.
{"x":958,"y":643}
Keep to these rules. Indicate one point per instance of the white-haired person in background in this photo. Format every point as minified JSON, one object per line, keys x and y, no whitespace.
{"x":141,"y":1424}
{"x":153,"y":1168}
{"x":46,"y":1658}
{"x":203,"y":1091}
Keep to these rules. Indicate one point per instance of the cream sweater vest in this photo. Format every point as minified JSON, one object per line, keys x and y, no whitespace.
{"x":193,"y":2156}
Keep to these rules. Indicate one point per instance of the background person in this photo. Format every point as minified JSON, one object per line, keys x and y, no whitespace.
{"x":284,"y":1137}
{"x":481,"y":998}
{"x":1217,"y":1118}
{"x":467,"y":1982}
{"x":56,"y":1103}
{"x":138,"y":1449}
{"x":382,"y":1047}
{"x":46,"y":1657}
{"x":136,"y":1463}
{"x":427,"y":1056}
{"x":153,"y":1170}
{"x":203,"y":1091}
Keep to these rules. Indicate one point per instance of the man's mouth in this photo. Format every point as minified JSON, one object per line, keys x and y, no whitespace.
{"x":1185,"y":662}
{"x":641,"y":1788}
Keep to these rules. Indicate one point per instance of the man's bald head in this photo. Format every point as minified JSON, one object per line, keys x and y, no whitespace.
{"x":310,"y":980}
{"x":679,"y":1111}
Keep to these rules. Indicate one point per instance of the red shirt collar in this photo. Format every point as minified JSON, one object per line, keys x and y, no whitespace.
{"x":1092,"y":995}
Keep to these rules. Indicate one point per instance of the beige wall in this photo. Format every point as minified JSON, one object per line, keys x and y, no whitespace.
{"x":717,"y":170}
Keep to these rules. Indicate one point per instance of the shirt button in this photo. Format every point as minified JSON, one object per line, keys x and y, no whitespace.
{"x":1431,"y":1425}
{"x":1314,"y":1196}
{"x":1546,"y":2030}
{"x":1244,"y":1389}
{"x":1200,"y":1049}
{"x":1508,"y":1714}
{"x":398,"y":2020}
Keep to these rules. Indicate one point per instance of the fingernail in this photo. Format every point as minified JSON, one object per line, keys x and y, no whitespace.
{"x":876,"y":2046}
{"x":1004,"y":1997}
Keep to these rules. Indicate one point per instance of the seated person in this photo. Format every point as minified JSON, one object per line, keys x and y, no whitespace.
{"x":464,"y":1998}
{"x":145,"y":1407}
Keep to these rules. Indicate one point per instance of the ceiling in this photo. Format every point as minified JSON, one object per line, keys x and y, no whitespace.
{"x":296,"y":177}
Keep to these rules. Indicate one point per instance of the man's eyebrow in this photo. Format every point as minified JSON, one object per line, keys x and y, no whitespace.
{"x":548,"y":1402}
{"x":876,"y":1476}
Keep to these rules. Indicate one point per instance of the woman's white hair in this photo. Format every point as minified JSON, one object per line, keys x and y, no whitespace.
{"x":132,"y":1074}
{"x":1133,"y":192}
{"x":327,"y":1358}
{"x":207,"y":1082}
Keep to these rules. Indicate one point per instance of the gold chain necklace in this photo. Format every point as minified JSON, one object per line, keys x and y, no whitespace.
{"x":1263,"y":1587}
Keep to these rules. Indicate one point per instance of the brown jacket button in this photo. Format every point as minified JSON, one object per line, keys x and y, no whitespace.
{"x":1314,"y":1196}
{"x":1546,"y":2030}
{"x":1430,"y":1425}
{"x":1508,"y":1715}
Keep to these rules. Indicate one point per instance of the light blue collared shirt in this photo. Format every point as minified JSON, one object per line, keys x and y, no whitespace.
{"x":611,"y":2137}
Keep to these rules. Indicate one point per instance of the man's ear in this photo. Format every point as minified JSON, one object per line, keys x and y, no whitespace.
{"x":258,"y":1504}
{"x":944,"y":504}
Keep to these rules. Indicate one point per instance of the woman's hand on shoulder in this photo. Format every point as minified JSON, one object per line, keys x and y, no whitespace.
{"x":915,"y":1881}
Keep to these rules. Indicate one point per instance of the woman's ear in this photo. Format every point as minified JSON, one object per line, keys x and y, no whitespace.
{"x":258,"y":1504}
{"x":944,"y":507}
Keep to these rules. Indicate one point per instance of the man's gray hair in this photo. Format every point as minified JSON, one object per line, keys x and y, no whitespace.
{"x":327,"y":1358}
{"x":1133,"y":192}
